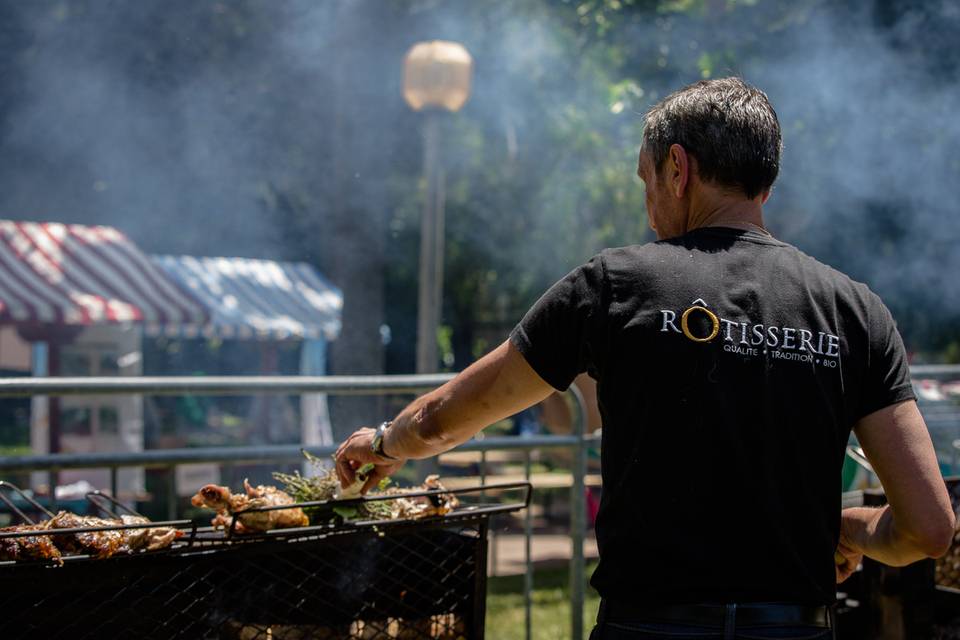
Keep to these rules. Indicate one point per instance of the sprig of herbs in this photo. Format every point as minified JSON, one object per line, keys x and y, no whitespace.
{"x":323,"y":486}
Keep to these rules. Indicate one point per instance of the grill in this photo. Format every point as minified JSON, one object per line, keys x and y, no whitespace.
{"x":413,"y":579}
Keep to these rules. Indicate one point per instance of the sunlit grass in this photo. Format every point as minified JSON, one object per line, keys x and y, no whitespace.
{"x":550,"y":611}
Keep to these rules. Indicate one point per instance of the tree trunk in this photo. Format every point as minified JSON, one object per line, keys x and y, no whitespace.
{"x":364,"y":97}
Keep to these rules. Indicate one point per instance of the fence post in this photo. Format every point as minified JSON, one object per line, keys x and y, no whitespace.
{"x":114,"y":482}
{"x":171,"y":481}
{"x":578,"y":513}
{"x":528,"y":570}
{"x":52,"y":477}
{"x":492,"y":539}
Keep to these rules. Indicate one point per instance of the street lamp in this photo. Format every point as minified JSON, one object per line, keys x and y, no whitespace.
{"x":436,"y":76}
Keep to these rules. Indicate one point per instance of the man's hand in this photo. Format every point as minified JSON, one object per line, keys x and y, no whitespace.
{"x":355,"y":452}
{"x":847,"y":556}
{"x":498,"y":385}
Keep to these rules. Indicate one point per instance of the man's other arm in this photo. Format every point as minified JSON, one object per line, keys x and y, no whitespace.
{"x":918,"y":521}
{"x":494,"y":387}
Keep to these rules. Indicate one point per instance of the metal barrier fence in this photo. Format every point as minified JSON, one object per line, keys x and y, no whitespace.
{"x":938,"y":396}
{"x":292,"y":385}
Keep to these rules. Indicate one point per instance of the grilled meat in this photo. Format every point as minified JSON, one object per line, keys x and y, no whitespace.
{"x":101,"y":544}
{"x":147,"y":539}
{"x":33,"y":547}
{"x":50,"y":545}
{"x":233,"y":505}
{"x":424,"y":506}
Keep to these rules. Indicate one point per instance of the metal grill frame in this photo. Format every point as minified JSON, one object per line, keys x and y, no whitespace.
{"x":197,"y":582}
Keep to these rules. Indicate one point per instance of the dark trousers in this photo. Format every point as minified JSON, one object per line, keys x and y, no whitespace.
{"x":619,"y":628}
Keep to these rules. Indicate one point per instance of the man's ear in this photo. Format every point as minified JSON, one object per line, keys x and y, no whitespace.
{"x":765,"y":196}
{"x":678,"y":170}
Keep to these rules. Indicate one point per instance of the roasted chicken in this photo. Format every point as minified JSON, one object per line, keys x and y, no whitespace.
{"x":147,"y":539}
{"x":101,"y":544}
{"x":104,"y":544}
{"x":48,"y":544}
{"x":32,"y":547}
{"x":234,"y":505}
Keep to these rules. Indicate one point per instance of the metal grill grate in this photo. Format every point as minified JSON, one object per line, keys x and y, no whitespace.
{"x":422,"y":579}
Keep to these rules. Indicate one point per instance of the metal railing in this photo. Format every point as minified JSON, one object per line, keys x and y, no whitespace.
{"x":293,"y":385}
{"x":941,"y":410}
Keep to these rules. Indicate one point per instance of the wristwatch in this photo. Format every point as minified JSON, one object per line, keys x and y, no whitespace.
{"x":377,"y":445}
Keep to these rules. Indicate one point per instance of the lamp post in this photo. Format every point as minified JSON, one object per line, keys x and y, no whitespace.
{"x":436,"y":77}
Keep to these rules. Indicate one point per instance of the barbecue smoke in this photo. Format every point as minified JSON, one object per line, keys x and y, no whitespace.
{"x":277,"y":130}
{"x":160,"y":118}
{"x":868,"y":107}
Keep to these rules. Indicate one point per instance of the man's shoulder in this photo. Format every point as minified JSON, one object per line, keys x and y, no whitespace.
{"x":788,"y":261}
{"x":634,"y":254}
{"x":629,"y":260}
{"x":841,"y":283}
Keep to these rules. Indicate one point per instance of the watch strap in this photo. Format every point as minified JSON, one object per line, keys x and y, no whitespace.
{"x":377,"y":445}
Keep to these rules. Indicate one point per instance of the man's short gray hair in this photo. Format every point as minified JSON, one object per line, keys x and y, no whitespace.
{"x":728,"y":125}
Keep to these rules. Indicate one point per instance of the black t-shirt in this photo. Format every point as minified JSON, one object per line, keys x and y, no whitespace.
{"x":731,"y":368}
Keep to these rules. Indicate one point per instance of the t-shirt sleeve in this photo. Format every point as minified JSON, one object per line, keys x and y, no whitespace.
{"x":888,"y":373}
{"x":559,"y":334}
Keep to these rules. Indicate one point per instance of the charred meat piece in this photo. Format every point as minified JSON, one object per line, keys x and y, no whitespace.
{"x":32,"y":547}
{"x":50,"y":545}
{"x":101,"y":544}
{"x":233,"y":505}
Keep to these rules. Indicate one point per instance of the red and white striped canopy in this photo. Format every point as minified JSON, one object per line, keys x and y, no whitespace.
{"x":60,"y":274}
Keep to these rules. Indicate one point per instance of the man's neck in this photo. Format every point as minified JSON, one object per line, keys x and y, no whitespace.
{"x":739,"y":214}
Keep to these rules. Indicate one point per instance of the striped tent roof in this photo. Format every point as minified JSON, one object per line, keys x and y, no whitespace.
{"x":259,"y":298}
{"x":60,"y":274}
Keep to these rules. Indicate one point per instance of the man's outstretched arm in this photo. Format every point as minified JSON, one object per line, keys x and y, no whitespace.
{"x":918,"y":521}
{"x":498,"y":385}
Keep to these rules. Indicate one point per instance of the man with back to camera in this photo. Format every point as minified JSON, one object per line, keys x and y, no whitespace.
{"x":721,"y":349}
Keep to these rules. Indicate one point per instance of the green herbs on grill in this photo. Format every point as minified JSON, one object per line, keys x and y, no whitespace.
{"x":325,"y":487}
